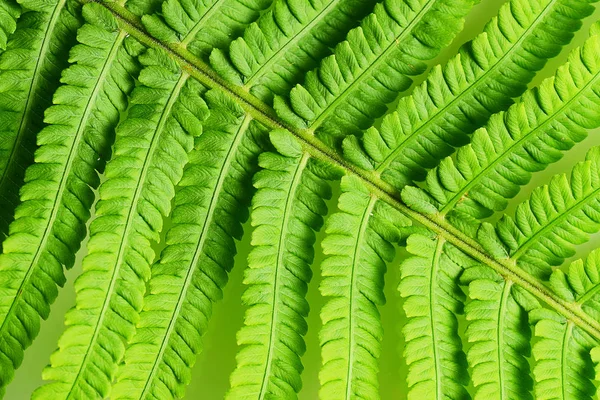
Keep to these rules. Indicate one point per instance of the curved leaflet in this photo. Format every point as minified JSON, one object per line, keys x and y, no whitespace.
{"x":211,"y":203}
{"x":149,"y":154}
{"x":359,"y":242}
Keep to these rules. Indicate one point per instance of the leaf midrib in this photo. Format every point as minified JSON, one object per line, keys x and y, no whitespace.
{"x":206,"y":15}
{"x":563,"y":359}
{"x":500,"y":334}
{"x":289,"y":204}
{"x":435,"y":261}
{"x":588,"y":294}
{"x":364,"y":224}
{"x":310,"y":144}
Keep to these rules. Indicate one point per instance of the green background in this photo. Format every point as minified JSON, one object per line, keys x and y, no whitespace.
{"x":211,"y":373}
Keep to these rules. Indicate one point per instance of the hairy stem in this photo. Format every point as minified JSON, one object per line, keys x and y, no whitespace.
{"x":315,"y":148}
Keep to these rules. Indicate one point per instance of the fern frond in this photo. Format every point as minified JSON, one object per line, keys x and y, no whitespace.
{"x":358,"y":244}
{"x":211,"y":202}
{"x":286,"y":42}
{"x":287,"y":209}
{"x":532,"y":134}
{"x":149,"y":154}
{"x":201,"y":25}
{"x":367,"y":71}
{"x":204,"y":142}
{"x":456,"y":99}
{"x":564,"y":368}
{"x":556,"y":217}
{"x":433,"y":299}
{"x":10,"y":11}
{"x":30,"y":70}
{"x":499,"y":333}
{"x":57,"y":195}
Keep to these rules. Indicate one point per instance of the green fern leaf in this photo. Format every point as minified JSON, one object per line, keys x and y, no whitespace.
{"x":284,"y":43}
{"x":556,"y":217}
{"x":456,"y":99}
{"x":286,"y":210}
{"x":149,"y":154}
{"x":201,"y":25}
{"x":532,"y":134}
{"x":210,"y":204}
{"x":433,"y":350}
{"x":138,"y":7}
{"x":214,"y":83}
{"x":367,"y":71}
{"x":358,"y":244}
{"x":499,"y":334}
{"x":564,"y":368}
{"x":29,"y":71}
{"x":57,"y":195}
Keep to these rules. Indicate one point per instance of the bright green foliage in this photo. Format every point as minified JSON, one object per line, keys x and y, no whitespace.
{"x":581,"y":283}
{"x":210,"y":205}
{"x":58,"y":193}
{"x":499,"y":334}
{"x":26,"y":289}
{"x":30,"y":69}
{"x":564,"y":369}
{"x":201,"y":108}
{"x":352,"y":87}
{"x":458,"y":97}
{"x":558,"y":216}
{"x":286,"y":210}
{"x":284,"y":43}
{"x":433,"y":350}
{"x":201,"y":25}
{"x":149,"y":154}
{"x":502,"y":156}
{"x":10,"y":11}
{"x":358,"y":244}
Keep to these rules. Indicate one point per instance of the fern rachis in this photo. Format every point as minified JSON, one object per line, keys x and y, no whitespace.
{"x":216,"y":123}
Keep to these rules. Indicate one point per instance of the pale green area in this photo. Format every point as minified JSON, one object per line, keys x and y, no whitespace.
{"x":211,"y":373}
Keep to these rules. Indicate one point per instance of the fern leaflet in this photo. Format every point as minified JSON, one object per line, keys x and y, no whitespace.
{"x":286,"y":210}
{"x":284,"y":43}
{"x":352,"y":87}
{"x":149,"y":147}
{"x":455,"y":99}
{"x":433,"y":352}
{"x":210,"y":204}
{"x":358,"y":244}
{"x":30,"y":67}
{"x":502,"y":156}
